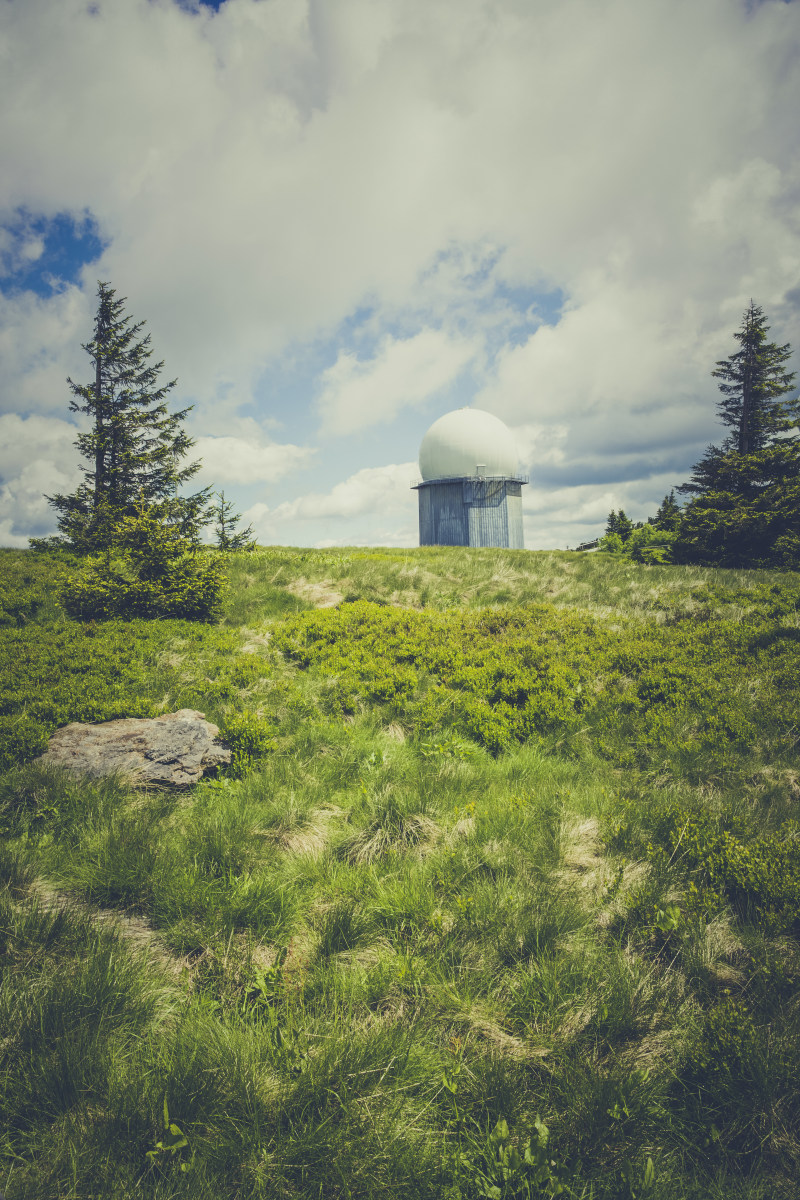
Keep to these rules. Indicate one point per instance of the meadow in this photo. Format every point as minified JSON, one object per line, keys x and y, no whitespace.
{"x":499,"y":898}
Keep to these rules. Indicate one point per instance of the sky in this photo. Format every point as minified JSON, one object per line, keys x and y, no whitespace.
{"x":341,"y":219}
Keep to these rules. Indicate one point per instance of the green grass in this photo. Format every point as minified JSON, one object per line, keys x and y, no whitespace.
{"x":454,"y":577}
{"x":500,"y":895}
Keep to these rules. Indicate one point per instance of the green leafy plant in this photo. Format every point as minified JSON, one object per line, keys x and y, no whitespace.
{"x":250,"y":738}
{"x":17,"y":606}
{"x":172,"y":1140}
{"x":759,"y":875}
{"x":505,"y":1171}
{"x":225,"y":521}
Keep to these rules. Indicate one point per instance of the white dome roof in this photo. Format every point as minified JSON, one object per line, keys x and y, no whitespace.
{"x":468,"y":441}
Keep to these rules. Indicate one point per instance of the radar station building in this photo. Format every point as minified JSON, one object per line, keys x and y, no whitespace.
{"x":470,"y":493}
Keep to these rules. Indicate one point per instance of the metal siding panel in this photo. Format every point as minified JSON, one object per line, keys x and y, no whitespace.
{"x":442,"y":515}
{"x":516,"y":533}
{"x":471,"y":512}
{"x":488,"y":524}
{"x":425,"y":518}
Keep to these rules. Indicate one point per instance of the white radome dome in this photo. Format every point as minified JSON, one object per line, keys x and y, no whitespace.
{"x":468,"y":442}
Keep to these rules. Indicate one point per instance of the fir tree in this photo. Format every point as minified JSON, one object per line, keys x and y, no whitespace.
{"x":746,"y":506}
{"x":753,"y":382}
{"x":619,"y":523}
{"x":134,"y":446}
{"x":668,"y":516}
{"x":754,"y":520}
{"x":225,"y":521}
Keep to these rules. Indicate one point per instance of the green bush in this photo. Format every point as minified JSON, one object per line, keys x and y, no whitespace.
{"x":61,"y":672}
{"x":25,"y":587}
{"x":721,"y":861}
{"x":642,"y":691}
{"x":611,"y":543}
{"x":17,"y":606}
{"x":249,"y":738}
{"x":760,"y":877}
{"x":152,"y":572}
{"x":646,"y":544}
{"x":650,"y":545}
{"x":739,"y":1084}
{"x":22,"y":737}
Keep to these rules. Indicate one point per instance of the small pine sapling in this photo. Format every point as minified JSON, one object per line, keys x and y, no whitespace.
{"x":225,"y":522}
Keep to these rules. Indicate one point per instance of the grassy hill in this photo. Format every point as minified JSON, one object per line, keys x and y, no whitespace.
{"x":499,"y":898}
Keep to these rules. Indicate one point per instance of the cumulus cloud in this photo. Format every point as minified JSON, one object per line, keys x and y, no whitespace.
{"x":267,"y":175}
{"x":37,"y":458}
{"x":23,"y":438}
{"x":403,"y":373}
{"x":375,"y":505}
{"x":368,"y":491}
{"x":234,"y":460}
{"x":565,"y":517}
{"x":290,"y":161}
{"x":622,"y":383}
{"x":40,"y":345}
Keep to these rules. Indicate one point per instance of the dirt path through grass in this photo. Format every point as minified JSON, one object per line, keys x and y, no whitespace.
{"x":137,"y":932}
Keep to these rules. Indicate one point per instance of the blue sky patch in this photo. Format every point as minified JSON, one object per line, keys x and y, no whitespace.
{"x":43,"y":254}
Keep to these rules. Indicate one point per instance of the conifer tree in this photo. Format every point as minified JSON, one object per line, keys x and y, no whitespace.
{"x":668,"y":516}
{"x":135,"y":445}
{"x":745,"y":510}
{"x":225,"y":522}
{"x":753,"y":382}
{"x":619,"y":523}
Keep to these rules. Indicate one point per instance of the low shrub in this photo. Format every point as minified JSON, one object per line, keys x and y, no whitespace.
{"x":61,"y":672}
{"x":739,"y":1083}
{"x":152,"y":572}
{"x":645,"y":692}
{"x":17,"y":606}
{"x":645,"y":544}
{"x":760,"y":877}
{"x":249,"y":738}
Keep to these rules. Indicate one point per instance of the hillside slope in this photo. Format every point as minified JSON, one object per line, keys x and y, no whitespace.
{"x":500,"y":896}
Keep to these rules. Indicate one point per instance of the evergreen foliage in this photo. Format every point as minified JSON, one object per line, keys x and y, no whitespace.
{"x":753,"y":382}
{"x":151,"y":572}
{"x":645,"y":542}
{"x":225,"y":522}
{"x":745,"y":507}
{"x":620,"y":524}
{"x":752,"y":521}
{"x":668,"y":516}
{"x":134,"y":446}
{"x":649,"y":544}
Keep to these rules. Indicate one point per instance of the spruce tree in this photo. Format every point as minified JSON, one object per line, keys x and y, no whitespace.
{"x":135,"y":444}
{"x":225,"y":521}
{"x":745,"y":510}
{"x":753,"y":382}
{"x":619,"y":523}
{"x":668,"y":516}
{"x":754,"y":521}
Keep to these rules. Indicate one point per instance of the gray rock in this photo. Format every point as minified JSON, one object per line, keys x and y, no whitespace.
{"x":174,"y":750}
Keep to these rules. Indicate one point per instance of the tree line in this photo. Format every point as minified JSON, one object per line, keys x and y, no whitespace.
{"x":744,"y":494}
{"x":139,"y":538}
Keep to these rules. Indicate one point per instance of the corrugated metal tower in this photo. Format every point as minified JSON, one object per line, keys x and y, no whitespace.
{"x":471,"y":489}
